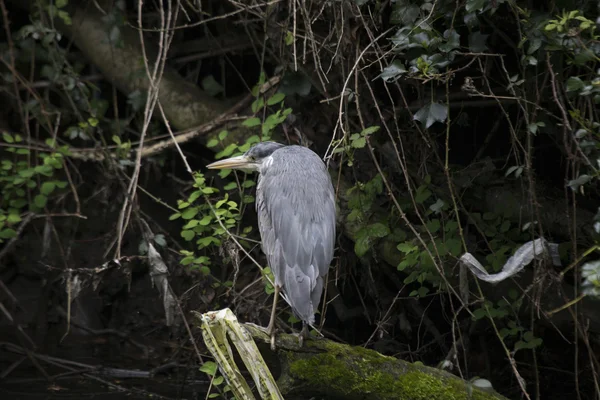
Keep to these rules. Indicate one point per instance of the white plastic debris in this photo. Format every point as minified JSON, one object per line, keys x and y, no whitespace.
{"x":534,"y":249}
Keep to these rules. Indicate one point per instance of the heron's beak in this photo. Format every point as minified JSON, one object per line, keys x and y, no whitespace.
{"x":239,"y":162}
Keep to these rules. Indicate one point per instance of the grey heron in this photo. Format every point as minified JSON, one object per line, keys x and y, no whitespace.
{"x":295,"y":203}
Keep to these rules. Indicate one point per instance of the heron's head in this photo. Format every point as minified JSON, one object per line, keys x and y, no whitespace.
{"x":251,"y":160}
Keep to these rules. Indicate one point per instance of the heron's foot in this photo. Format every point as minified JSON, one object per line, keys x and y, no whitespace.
{"x":304,"y":334}
{"x":271,"y":331}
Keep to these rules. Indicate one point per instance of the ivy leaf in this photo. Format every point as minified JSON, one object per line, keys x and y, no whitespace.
{"x":471,"y":20}
{"x":475,"y":5}
{"x":477,"y":42}
{"x":393,"y":71}
{"x":403,"y":14}
{"x":574,"y":84}
{"x":434,"y":112}
{"x":580,"y":181}
{"x":452,"y":41}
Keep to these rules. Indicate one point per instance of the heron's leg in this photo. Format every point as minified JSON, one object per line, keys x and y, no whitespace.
{"x":304,"y":334}
{"x":271,"y":327}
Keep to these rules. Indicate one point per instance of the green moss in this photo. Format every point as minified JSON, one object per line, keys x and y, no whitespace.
{"x":361,"y":372}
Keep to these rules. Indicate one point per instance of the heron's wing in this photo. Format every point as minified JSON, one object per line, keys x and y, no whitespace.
{"x":297,"y":227}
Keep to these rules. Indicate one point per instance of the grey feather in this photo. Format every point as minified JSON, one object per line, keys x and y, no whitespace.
{"x":295,"y":203}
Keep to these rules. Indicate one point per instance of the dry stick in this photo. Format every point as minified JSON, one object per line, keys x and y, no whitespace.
{"x":153,"y":78}
{"x":342,"y":96}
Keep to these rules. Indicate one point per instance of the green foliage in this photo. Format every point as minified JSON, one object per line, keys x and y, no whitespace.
{"x":361,"y":198}
{"x":211,"y":369}
{"x":352,"y":142}
{"x":202,"y":224}
{"x":431,"y":113}
{"x":26,"y":175}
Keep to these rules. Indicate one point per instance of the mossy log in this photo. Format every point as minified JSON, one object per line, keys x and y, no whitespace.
{"x":326,"y":369}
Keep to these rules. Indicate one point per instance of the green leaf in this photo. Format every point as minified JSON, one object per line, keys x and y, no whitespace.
{"x":206,"y":220}
{"x":433,"y":226}
{"x":227,"y":151}
{"x":370,"y":130}
{"x":362,"y":245}
{"x":359,"y":143}
{"x":194,"y":196}
{"x":257,"y":104}
{"x":289,"y":38}
{"x":574,"y":84}
{"x":189,"y":213}
{"x":188,"y":235}
{"x":7,"y":137}
{"x":452,"y":41}
{"x":407,"y":247}
{"x":209,"y":367}
{"x":251,"y":122}
{"x":475,"y":5}
{"x":378,"y":230}
{"x":404,"y":14}
{"x":276,"y":98}
{"x":393,"y":71}
{"x":431,"y":113}
{"x":8,"y":233}
{"x":40,"y":201}
{"x":61,"y":3}
{"x":477,"y":42}
{"x":223,"y":134}
{"x":230,"y":186}
{"x":212,"y":143}
{"x":192,"y":223}
{"x":13,"y":218}
{"x":47,"y":188}
{"x":217,"y":381}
